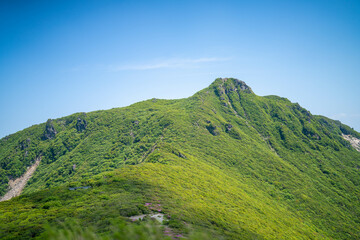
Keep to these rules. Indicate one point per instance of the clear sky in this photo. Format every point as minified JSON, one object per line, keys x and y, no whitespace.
{"x":62,"y":57}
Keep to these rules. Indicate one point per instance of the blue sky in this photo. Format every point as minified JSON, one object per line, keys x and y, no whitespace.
{"x":62,"y":57}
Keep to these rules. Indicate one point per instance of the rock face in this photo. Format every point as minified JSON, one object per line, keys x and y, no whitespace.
{"x":355,"y":142}
{"x":50,"y":131}
{"x":81,"y":124}
{"x":226,"y":86}
{"x":17,"y":185}
{"x":241,"y":85}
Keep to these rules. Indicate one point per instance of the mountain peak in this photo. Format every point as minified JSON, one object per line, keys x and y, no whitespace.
{"x":238,"y":83}
{"x":231,"y":84}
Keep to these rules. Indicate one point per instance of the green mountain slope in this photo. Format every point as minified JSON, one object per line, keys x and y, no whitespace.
{"x":224,"y":160}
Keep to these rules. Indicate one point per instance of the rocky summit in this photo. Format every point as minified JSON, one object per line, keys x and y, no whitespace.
{"x":224,"y":163}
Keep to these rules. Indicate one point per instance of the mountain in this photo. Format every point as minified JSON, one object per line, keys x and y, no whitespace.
{"x":224,"y":161}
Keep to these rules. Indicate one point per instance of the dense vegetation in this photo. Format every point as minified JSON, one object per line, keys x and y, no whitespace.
{"x":224,"y":161}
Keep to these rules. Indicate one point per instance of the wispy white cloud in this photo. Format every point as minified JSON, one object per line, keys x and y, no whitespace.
{"x":169,"y":63}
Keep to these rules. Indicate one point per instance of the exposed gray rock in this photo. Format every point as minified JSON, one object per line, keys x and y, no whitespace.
{"x":50,"y":131}
{"x":228,"y":126}
{"x":240,"y":85}
{"x":81,"y":124}
{"x":355,"y":142}
{"x":156,"y":216}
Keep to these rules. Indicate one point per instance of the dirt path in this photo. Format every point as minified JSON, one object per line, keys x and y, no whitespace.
{"x":17,"y":185}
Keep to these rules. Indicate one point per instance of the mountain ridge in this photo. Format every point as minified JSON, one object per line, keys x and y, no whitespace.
{"x":222,"y":148}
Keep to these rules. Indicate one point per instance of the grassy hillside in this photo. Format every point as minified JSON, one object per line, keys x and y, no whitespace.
{"x":224,"y":160}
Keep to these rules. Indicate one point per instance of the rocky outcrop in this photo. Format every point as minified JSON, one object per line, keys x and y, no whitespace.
{"x":212,"y":129}
{"x":81,"y":124}
{"x":17,"y":185}
{"x":355,"y":142}
{"x":228,"y":127}
{"x":238,"y":84}
{"x":50,"y":131}
{"x":242,"y":86}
